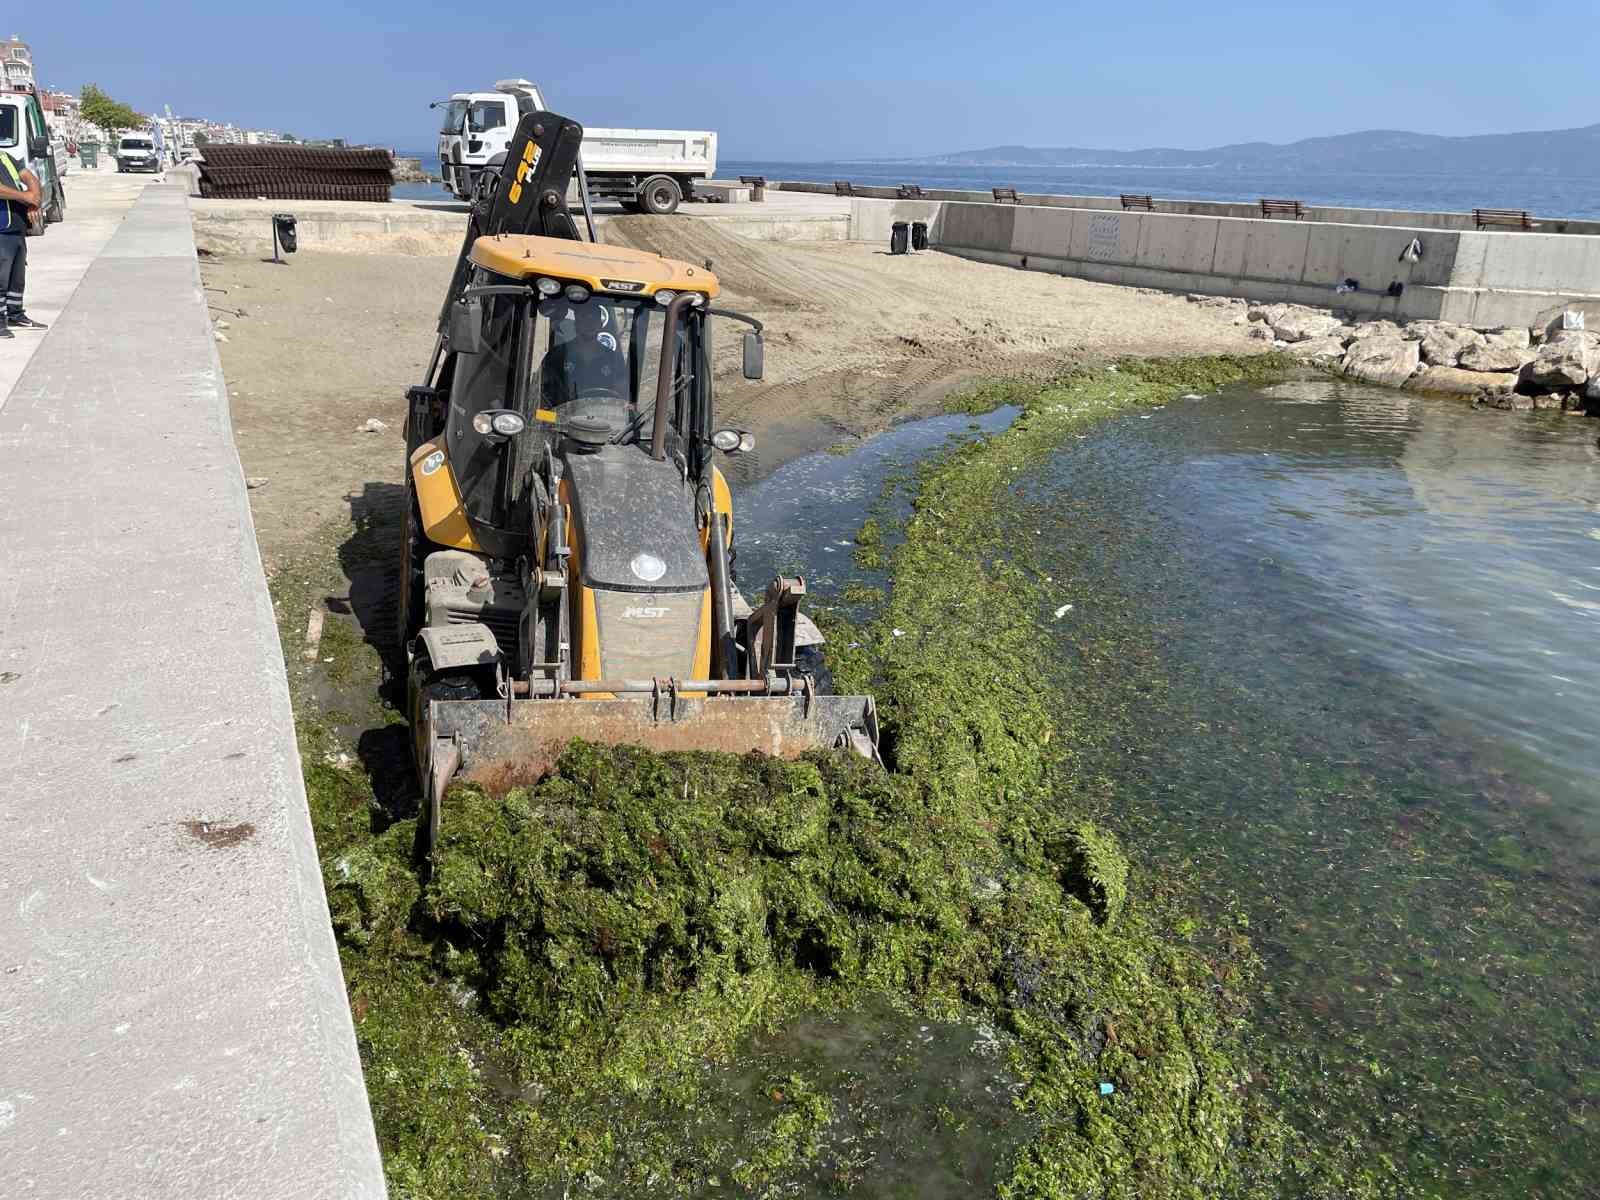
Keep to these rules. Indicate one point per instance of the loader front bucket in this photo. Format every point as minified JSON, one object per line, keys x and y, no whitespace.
{"x":498,"y":744}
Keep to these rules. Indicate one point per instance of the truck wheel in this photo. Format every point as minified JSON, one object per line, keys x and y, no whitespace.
{"x":660,"y":195}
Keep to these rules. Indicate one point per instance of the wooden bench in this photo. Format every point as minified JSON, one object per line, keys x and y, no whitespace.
{"x":1283,"y":208}
{"x":910,"y":191}
{"x":1131,"y":201}
{"x":757,"y":185}
{"x":841,"y":187}
{"x":1005,"y":196}
{"x":1504,"y":218}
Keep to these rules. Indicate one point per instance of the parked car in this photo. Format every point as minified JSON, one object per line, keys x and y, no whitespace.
{"x":137,"y":152}
{"x":25,"y":136}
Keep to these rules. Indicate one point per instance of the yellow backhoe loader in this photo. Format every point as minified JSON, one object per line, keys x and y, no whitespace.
{"x":565,"y":571}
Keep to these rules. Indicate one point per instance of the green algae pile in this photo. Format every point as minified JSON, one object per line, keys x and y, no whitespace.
{"x":573,"y":1002}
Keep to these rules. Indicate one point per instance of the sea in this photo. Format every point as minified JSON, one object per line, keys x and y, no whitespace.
{"x":1567,"y":195}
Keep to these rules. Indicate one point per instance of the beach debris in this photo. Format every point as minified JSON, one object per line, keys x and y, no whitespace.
{"x":1063,"y":611}
{"x":1191,"y":396}
{"x":1107,"y":1089}
{"x":373,"y":425}
{"x":898,"y":632}
{"x":255,"y":481}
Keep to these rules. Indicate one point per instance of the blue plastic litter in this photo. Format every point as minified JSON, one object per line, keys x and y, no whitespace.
{"x":1107,"y":1089}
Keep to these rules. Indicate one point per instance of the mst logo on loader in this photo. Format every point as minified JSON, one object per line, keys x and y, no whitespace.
{"x":648,"y":611}
{"x":525,"y":168}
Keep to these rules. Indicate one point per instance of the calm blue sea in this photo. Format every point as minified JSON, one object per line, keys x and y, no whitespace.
{"x":1574,"y":195}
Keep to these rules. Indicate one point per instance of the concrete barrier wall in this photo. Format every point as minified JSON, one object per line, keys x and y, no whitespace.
{"x":1212,"y":208}
{"x":173,"y":1020}
{"x":1475,"y":278}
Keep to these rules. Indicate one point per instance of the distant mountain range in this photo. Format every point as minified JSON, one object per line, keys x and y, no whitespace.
{"x":1557,"y":151}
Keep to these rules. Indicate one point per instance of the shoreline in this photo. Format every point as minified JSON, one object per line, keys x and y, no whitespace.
{"x":415,"y":1036}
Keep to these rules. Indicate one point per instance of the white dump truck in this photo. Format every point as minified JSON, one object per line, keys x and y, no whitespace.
{"x":648,"y":170}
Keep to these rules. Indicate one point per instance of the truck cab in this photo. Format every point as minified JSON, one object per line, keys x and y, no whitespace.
{"x":477,"y":128}
{"x":26,"y":138}
{"x":645,"y":170}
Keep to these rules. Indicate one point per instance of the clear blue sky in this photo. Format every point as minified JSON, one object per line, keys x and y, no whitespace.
{"x":824,"y":81}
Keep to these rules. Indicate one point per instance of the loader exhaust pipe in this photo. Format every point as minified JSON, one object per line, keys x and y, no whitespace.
{"x":725,"y":648}
{"x":664,"y":376}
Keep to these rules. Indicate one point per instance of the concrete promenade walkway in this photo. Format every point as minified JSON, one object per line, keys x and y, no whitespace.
{"x":96,"y":203}
{"x":172,"y":1016}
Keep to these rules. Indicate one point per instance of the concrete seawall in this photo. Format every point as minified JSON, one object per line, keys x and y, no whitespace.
{"x":1331,"y":213}
{"x":1473,"y":278}
{"x":173,"y":1020}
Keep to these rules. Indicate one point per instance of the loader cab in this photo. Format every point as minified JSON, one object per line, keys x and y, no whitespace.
{"x":560,"y":351}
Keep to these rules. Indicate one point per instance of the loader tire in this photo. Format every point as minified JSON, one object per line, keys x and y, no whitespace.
{"x":660,"y":195}
{"x":425,"y":686}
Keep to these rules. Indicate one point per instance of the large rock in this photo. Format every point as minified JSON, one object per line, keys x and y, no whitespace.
{"x":1374,"y":329}
{"x":1305,"y":325}
{"x":1502,"y":350}
{"x":1267,"y":313}
{"x":1566,"y":360}
{"x":1386,"y":360}
{"x":1453,"y":381}
{"x":1322,"y":351}
{"x":1442,"y":344}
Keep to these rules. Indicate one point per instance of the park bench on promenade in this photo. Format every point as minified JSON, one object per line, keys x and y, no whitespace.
{"x":841,"y":187}
{"x":1143,"y":202}
{"x":1503,"y":218}
{"x":910,"y":191}
{"x":1005,"y":196}
{"x":757,"y":185}
{"x":1283,"y":208}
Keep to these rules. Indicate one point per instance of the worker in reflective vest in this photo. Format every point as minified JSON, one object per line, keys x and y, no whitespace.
{"x":19,"y":197}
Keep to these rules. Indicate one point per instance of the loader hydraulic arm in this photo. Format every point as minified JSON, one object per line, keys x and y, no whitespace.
{"x":528,"y":196}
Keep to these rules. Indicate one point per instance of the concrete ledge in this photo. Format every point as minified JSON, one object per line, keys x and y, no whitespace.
{"x":1486,"y":279}
{"x":173,"y":1020}
{"x":1329,"y":213}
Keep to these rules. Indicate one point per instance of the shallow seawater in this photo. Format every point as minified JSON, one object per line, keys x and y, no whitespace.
{"x":1330,"y":649}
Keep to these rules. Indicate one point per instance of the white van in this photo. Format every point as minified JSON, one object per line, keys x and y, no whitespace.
{"x":26,"y":138}
{"x":137,"y":152}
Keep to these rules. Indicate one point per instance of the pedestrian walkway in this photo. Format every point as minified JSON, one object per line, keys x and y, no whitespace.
{"x":172,"y":1016}
{"x":96,"y":203}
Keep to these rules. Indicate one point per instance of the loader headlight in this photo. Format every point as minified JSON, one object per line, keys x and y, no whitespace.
{"x":548,"y":287}
{"x":733,"y":441}
{"x":498,"y":421}
{"x":577,"y":293}
{"x":665,"y":297}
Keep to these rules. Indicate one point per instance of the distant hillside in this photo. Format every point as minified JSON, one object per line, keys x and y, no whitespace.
{"x":1558,"y":151}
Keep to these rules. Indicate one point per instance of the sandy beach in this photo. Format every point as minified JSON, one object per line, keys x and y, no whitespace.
{"x":856,"y":340}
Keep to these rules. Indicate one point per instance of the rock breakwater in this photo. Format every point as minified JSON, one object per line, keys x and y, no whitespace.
{"x":1546,"y":367}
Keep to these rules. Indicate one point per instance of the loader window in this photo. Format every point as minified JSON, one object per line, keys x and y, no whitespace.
{"x":494,"y":477}
{"x":598,"y":358}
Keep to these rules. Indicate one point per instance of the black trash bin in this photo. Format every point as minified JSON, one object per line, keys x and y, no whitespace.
{"x":919,"y":235}
{"x":899,"y":238}
{"x":284,"y":235}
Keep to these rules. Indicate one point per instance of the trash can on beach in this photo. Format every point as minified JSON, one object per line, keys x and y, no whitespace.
{"x":899,"y":237}
{"x":89,"y":155}
{"x":919,"y":235}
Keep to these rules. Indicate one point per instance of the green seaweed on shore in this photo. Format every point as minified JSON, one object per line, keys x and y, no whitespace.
{"x":563,"y":1006}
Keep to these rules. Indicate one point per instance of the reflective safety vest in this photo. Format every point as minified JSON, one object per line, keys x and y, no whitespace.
{"x":13,"y":214}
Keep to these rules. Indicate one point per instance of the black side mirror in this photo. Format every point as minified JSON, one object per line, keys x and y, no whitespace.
{"x":39,"y":147}
{"x":466,"y":326}
{"x":754,"y":356}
